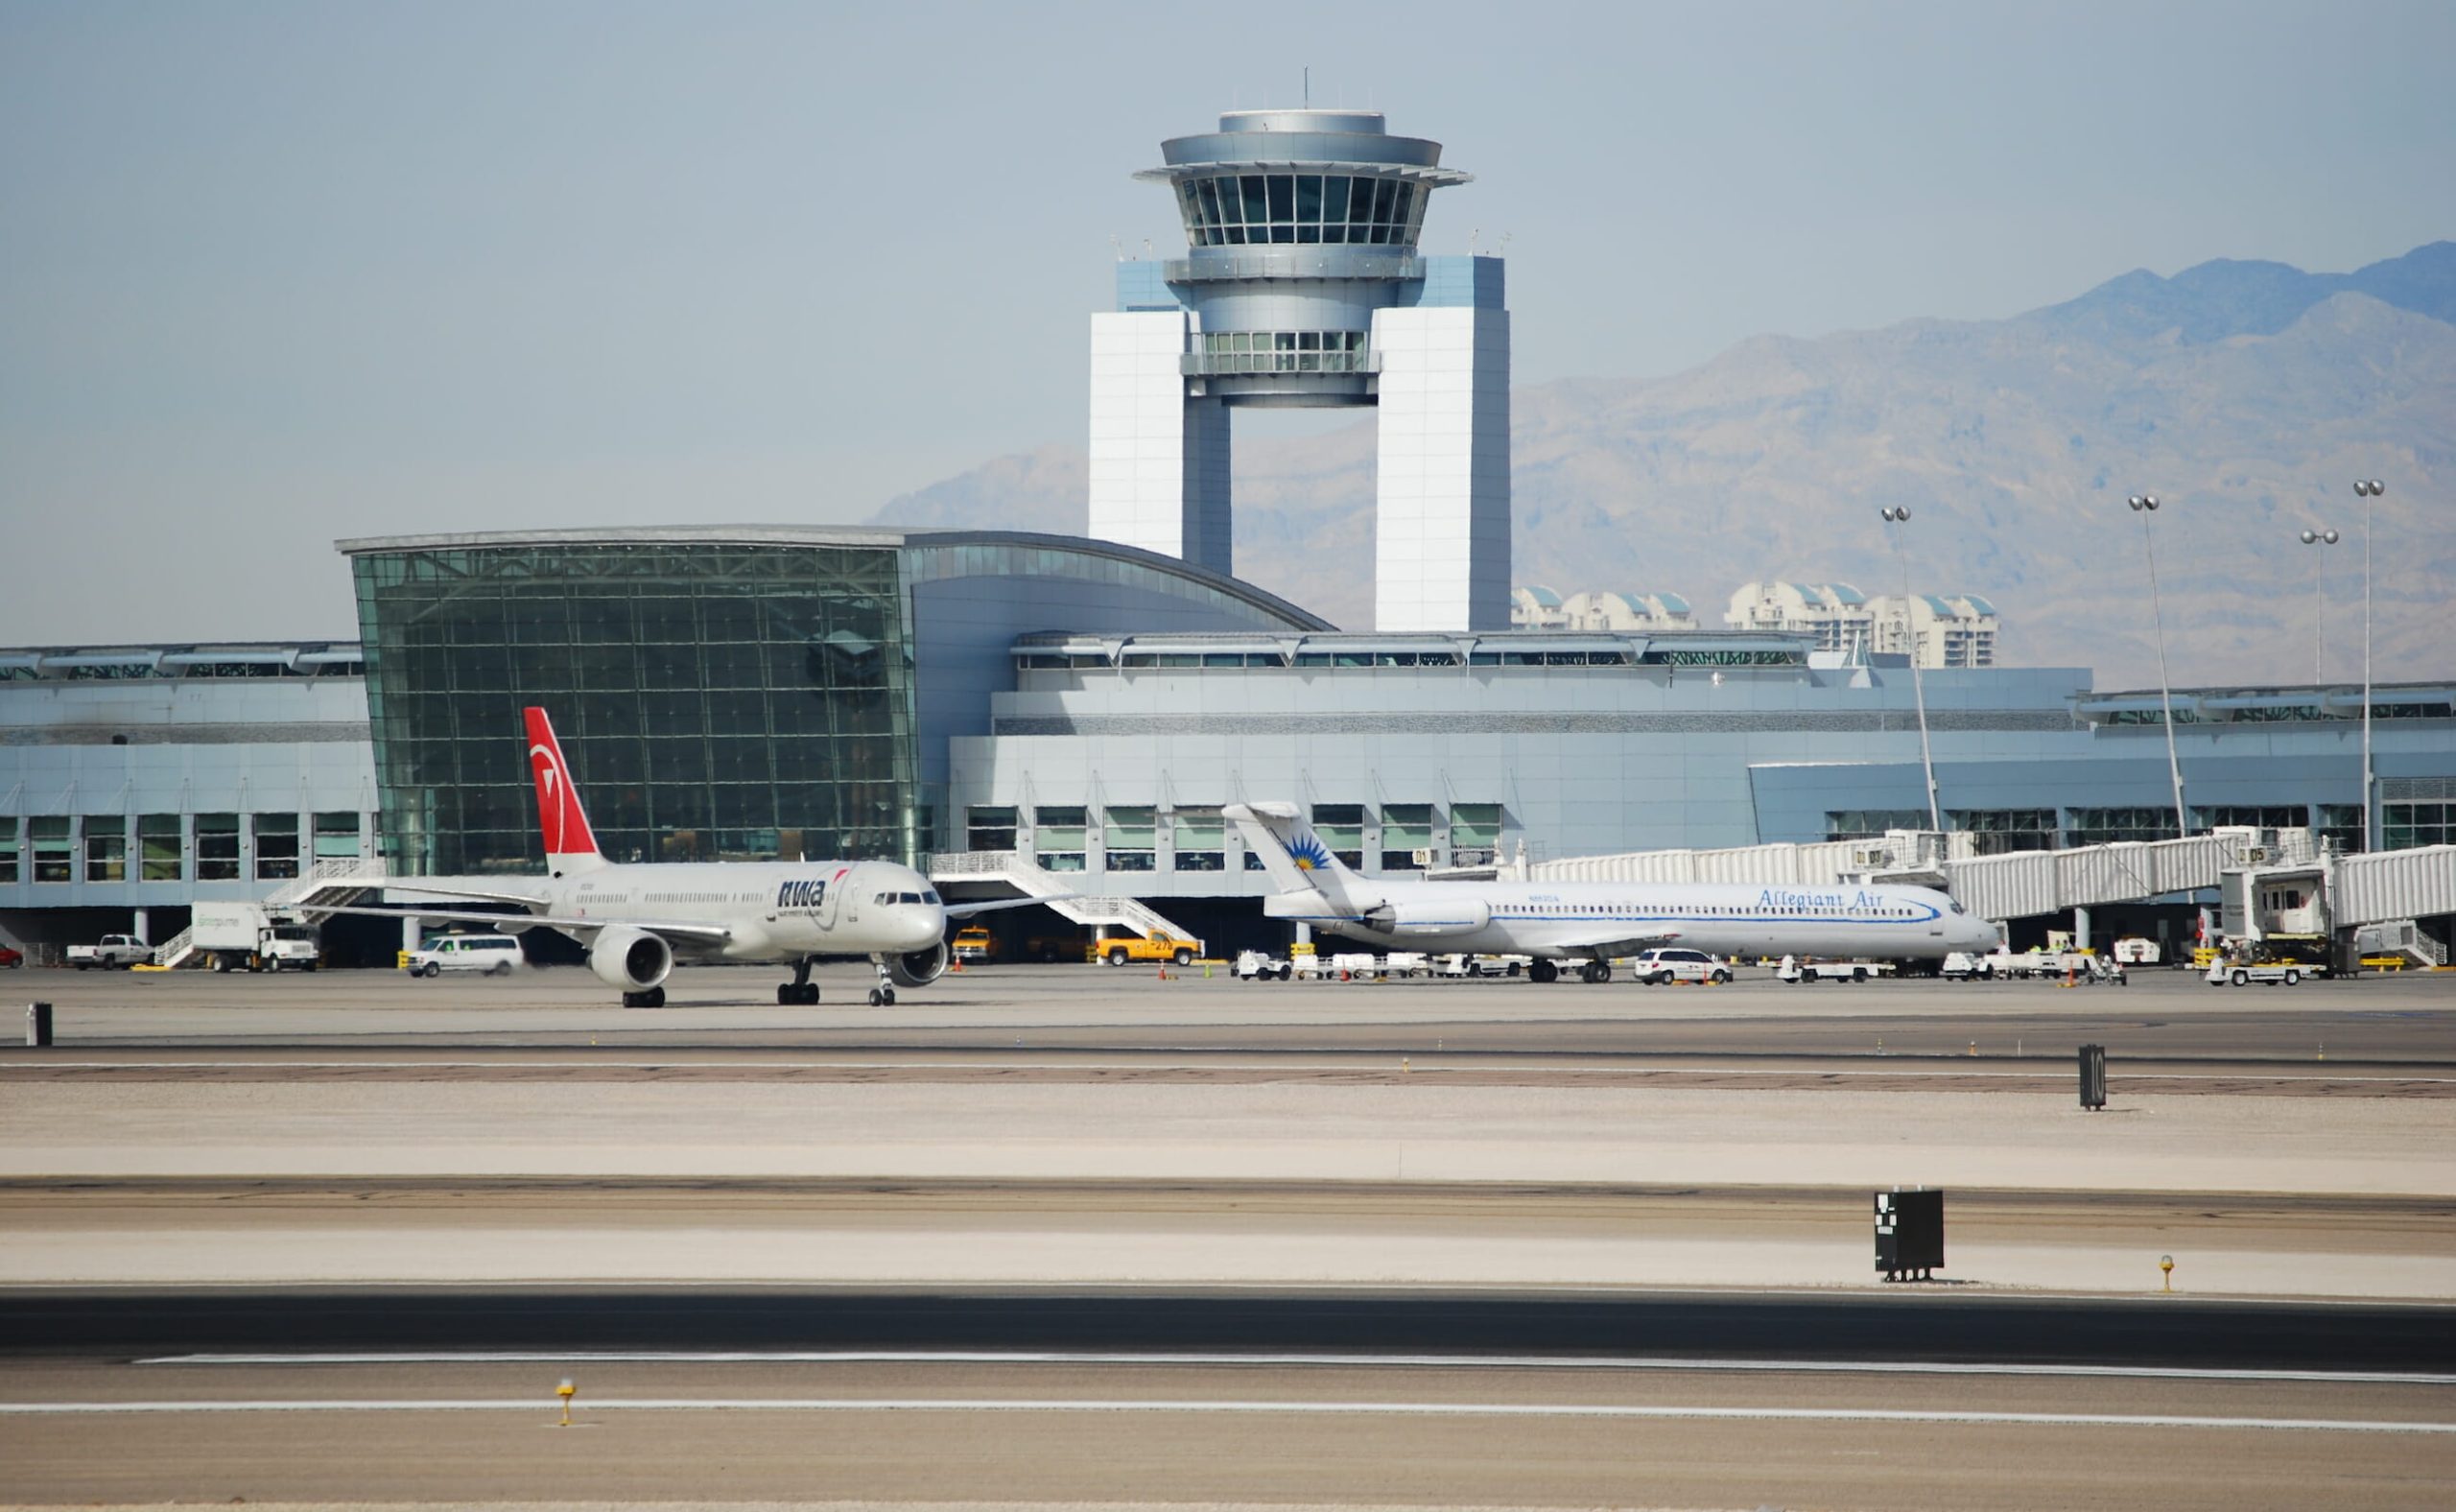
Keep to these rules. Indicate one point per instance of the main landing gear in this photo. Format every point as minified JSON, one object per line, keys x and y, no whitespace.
{"x":801,"y":991}
{"x":882,"y":996}
{"x":1596,"y":972}
{"x":1542,"y":970}
{"x":654,"y":997}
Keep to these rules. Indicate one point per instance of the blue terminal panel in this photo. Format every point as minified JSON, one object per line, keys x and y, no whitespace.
{"x":1457,"y":283}
{"x":1142,"y":285}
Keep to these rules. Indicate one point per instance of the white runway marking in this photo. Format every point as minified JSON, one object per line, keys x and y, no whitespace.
{"x":1502,"y":1409}
{"x":1379,"y":1361}
{"x":1143,"y":1061}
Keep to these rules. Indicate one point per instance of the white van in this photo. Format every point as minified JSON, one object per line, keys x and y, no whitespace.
{"x":495,"y":955}
{"x":1656,"y":967}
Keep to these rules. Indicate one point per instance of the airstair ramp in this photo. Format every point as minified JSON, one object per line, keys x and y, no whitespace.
{"x":333,"y":882}
{"x":1036,"y":881}
{"x":176,"y":949}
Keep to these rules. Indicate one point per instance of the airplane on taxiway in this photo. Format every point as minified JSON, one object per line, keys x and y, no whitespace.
{"x":1596,"y":921}
{"x":638,"y":920}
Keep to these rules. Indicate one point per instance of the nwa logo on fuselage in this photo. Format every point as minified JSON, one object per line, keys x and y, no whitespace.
{"x":807,"y":894}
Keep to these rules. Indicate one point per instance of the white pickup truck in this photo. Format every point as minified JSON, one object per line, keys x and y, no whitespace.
{"x":115,"y":950}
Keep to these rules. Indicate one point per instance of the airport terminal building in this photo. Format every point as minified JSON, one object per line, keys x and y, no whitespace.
{"x":1076,"y":711}
{"x":1081,"y":707}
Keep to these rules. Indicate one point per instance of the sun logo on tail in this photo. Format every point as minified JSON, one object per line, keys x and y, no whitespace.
{"x":1308,"y":852}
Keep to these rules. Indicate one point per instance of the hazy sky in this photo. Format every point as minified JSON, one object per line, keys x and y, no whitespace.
{"x":272,"y":274}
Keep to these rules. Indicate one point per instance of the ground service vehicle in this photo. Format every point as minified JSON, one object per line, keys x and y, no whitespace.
{"x":1662,"y":967}
{"x":495,"y":955}
{"x":1253,"y":965}
{"x":12,"y":956}
{"x":1799,"y":971}
{"x":242,"y":937}
{"x":115,"y":950}
{"x":2267,"y":973}
{"x":972,"y":944}
{"x":1159,"y":945}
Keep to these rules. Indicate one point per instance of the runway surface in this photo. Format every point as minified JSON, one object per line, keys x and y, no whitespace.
{"x":1451,"y":1400}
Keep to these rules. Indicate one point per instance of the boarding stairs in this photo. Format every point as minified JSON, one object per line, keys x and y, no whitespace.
{"x":333,"y":882}
{"x":176,"y":949}
{"x":1054,"y":888}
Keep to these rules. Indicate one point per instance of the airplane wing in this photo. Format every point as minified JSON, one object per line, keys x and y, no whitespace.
{"x":965,"y":911}
{"x":1604,"y":946}
{"x":526,"y":900}
{"x":695,"y":933}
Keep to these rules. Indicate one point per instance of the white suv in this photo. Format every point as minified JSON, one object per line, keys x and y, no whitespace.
{"x":1656,"y":967}
{"x":495,"y":955}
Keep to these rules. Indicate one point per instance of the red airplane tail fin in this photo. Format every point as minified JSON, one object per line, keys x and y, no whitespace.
{"x":570,"y":843}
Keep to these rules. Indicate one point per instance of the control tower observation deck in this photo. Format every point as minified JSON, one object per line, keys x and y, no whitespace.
{"x":1302,"y":288}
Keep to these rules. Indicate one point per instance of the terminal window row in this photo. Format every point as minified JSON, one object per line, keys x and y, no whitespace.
{"x":1129,"y":835}
{"x":1251,"y":209}
{"x":2001,"y":831}
{"x":161,"y":847}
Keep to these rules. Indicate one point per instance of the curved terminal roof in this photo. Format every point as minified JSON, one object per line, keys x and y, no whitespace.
{"x":917,"y":541}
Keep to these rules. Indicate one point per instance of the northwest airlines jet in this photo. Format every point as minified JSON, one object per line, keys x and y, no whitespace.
{"x":637,"y":920}
{"x":1594,"y":920}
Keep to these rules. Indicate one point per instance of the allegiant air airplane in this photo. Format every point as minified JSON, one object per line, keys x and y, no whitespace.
{"x":636,"y":921}
{"x":1594,"y":921}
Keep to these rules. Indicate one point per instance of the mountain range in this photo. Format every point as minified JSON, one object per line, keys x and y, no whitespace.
{"x":2247,"y":395}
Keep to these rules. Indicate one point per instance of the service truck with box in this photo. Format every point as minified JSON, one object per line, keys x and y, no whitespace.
{"x":248,"y":936}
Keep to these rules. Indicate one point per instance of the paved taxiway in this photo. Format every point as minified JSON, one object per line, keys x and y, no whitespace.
{"x":1353,"y":1151}
{"x":2164,"y":1015}
{"x":363,"y":1127}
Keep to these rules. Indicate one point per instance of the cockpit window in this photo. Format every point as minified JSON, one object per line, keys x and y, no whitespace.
{"x":930,"y":897}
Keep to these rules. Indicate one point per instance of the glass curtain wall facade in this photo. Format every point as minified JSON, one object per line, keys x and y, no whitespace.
{"x":716,"y":702}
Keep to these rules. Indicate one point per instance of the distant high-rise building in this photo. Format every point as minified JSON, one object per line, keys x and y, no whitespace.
{"x":1533,"y":606}
{"x":1950,"y":629}
{"x":1956,"y":629}
{"x":1835,"y":613}
{"x":1302,"y":288}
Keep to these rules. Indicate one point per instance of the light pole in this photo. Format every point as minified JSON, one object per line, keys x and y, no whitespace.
{"x":2366,"y":490}
{"x":2319,"y":605}
{"x":2145,"y":506}
{"x":1894,"y":515}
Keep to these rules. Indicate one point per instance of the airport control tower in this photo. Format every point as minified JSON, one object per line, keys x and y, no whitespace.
{"x":1302,"y":288}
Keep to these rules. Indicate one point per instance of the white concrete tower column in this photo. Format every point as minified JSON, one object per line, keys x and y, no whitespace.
{"x":1441,"y":523}
{"x":1159,"y":458}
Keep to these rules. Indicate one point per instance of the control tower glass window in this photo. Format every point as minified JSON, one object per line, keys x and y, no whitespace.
{"x":1277,"y":209}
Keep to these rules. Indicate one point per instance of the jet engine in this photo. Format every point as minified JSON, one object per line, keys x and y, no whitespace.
{"x":918,"y":968}
{"x":1428,"y":916}
{"x":632,"y":960}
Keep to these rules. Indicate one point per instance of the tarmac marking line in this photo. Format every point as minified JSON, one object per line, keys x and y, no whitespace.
{"x":1502,"y":1410}
{"x":1327,"y":1360}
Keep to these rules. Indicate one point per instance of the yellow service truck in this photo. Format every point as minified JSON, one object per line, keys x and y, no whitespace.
{"x":1117,"y":949}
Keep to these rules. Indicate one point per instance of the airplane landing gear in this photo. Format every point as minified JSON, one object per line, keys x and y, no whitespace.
{"x":801,"y":991}
{"x":1597,"y":971}
{"x":1542,"y":971}
{"x":654,"y":997}
{"x":882,"y":996}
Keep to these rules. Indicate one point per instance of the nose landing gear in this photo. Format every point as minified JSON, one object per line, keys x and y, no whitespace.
{"x":882,"y":996}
